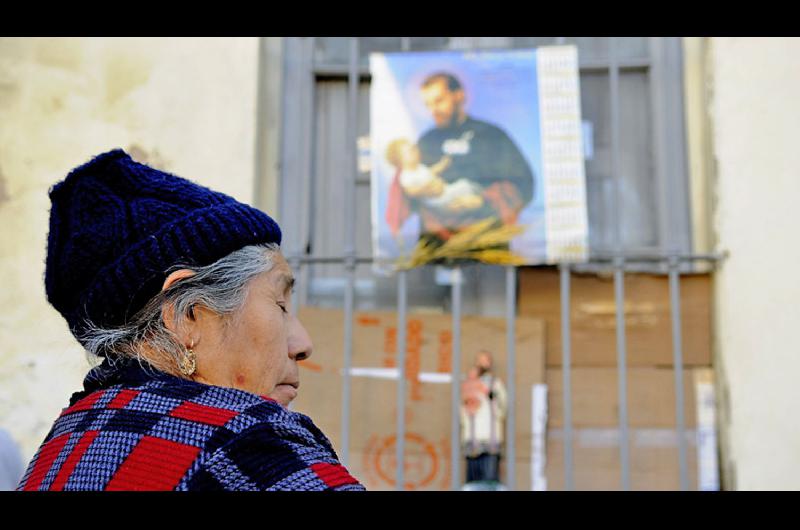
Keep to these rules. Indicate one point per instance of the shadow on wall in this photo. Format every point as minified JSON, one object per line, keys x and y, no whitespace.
{"x":11,"y":465}
{"x":3,"y":193}
{"x":152,"y":158}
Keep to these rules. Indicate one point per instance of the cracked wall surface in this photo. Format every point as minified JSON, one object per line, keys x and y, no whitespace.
{"x":186,"y":105}
{"x":755,"y":109}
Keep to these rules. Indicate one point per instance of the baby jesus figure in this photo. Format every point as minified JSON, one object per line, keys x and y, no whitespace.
{"x":425,"y":182}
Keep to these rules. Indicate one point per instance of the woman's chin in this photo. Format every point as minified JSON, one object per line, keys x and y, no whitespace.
{"x":284,"y":394}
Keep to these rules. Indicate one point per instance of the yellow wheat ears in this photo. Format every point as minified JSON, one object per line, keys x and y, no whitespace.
{"x":477,"y":241}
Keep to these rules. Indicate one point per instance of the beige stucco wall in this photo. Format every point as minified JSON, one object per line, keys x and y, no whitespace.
{"x":699,"y":161}
{"x":755,"y":113}
{"x":187,"y":105}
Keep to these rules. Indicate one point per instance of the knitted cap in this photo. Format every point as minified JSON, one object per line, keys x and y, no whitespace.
{"x":117,"y":226}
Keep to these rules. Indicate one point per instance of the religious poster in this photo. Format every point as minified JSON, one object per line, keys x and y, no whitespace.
{"x":477,"y":156}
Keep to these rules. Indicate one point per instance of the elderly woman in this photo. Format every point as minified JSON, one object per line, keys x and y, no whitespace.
{"x":185,"y":295}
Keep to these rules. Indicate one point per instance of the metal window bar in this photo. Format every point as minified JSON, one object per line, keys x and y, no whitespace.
{"x":676,"y":164}
{"x":405,"y":45}
{"x":622,"y":373}
{"x":455,"y":418}
{"x":308,"y":271}
{"x":511,"y":371}
{"x":677,"y":353}
{"x":350,"y":242}
{"x":401,"y":380}
{"x":338,"y":71}
{"x":602,"y":263}
{"x":673,"y":213}
{"x":619,"y":273}
{"x":566,"y":370}
{"x":618,"y":261}
{"x":302,"y":164}
{"x":566,"y":363}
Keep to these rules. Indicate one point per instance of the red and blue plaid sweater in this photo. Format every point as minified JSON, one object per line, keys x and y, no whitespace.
{"x":135,"y":428}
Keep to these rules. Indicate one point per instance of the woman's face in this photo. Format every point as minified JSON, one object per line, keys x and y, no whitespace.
{"x":257,"y":350}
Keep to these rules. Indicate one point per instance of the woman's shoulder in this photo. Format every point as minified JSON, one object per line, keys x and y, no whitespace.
{"x":284,"y":452}
{"x":160,"y":406}
{"x":166,"y":434}
{"x":146,"y":401}
{"x":149,"y":434}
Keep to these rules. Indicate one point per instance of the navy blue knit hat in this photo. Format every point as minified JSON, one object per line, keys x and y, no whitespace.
{"x":117,"y":226}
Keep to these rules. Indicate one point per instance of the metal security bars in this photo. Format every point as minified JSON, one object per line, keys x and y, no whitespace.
{"x":671,"y":251}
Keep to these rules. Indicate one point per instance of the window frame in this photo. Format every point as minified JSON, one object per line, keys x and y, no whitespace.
{"x":664,"y":67}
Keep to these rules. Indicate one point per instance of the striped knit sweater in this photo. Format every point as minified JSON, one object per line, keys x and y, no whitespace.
{"x":135,"y":428}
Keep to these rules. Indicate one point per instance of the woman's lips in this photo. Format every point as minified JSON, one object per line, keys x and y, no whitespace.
{"x":288,"y":389}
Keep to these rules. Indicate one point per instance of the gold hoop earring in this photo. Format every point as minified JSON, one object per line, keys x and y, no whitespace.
{"x":188,"y":363}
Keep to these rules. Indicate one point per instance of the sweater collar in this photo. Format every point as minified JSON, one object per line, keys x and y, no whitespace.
{"x":114,"y":371}
{"x":131,"y":372}
{"x":127,"y":372}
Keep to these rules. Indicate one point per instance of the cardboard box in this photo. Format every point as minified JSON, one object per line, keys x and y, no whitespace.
{"x":653,"y":439}
{"x":647,"y":311}
{"x":373,"y":403}
{"x":596,"y":460}
{"x":595,"y":397}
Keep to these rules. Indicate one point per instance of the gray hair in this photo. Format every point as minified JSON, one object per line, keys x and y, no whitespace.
{"x":221,"y":287}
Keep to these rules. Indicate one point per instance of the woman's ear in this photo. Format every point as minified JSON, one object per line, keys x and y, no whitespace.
{"x":179,"y":274}
{"x":168,"y":309}
{"x":187,"y":327}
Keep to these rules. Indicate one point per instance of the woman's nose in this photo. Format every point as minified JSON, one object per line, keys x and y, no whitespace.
{"x":300,"y":345}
